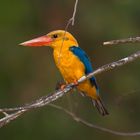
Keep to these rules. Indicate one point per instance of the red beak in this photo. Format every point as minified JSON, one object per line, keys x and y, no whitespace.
{"x":38,"y":42}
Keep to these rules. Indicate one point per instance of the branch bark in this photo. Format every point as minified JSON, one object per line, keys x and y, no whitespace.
{"x":122,"y":41}
{"x":18,"y":111}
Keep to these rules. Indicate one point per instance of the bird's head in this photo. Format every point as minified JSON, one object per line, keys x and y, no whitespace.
{"x":54,"y":39}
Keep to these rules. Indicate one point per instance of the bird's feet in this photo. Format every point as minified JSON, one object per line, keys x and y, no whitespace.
{"x":75,"y":83}
{"x":60,"y":85}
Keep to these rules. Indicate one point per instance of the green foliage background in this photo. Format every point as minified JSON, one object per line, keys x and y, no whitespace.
{"x":29,"y":73}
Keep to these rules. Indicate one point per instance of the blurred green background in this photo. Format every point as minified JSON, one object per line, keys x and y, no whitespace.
{"x":29,"y":73}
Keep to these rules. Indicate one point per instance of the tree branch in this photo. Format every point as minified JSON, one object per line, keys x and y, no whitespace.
{"x":122,"y":41}
{"x":9,"y":117}
{"x":18,"y":111}
{"x":13,"y":113}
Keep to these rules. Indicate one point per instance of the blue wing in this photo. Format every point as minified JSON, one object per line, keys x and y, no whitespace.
{"x":85,"y":60}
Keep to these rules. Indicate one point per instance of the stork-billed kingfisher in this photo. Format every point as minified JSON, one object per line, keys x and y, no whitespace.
{"x":72,"y":62}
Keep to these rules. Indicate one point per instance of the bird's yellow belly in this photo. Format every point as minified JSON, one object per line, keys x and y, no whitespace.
{"x":70,"y":66}
{"x":72,"y":70}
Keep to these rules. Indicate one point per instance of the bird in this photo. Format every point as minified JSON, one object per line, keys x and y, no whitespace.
{"x":72,"y":62}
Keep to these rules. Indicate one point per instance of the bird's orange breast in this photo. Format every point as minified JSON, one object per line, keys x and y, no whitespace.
{"x":69,"y":65}
{"x":73,"y":69}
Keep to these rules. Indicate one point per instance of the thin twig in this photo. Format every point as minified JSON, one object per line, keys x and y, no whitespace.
{"x":70,"y":21}
{"x":88,"y":124}
{"x":74,"y":12}
{"x":122,"y":41}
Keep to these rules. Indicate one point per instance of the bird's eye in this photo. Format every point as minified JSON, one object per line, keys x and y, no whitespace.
{"x":55,"y":36}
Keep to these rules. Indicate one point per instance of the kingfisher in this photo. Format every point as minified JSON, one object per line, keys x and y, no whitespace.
{"x":72,"y":62}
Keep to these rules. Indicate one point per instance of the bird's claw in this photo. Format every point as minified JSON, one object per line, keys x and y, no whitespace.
{"x":75,"y":83}
{"x":60,"y":85}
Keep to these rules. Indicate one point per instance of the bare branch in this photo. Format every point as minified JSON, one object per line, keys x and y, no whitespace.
{"x":9,"y":117}
{"x":41,"y":101}
{"x":74,"y":12}
{"x":88,"y":124}
{"x":122,"y":41}
{"x":57,"y":94}
{"x":112,"y":65}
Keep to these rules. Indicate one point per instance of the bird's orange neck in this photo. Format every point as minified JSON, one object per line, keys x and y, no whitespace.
{"x":61,"y":51}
